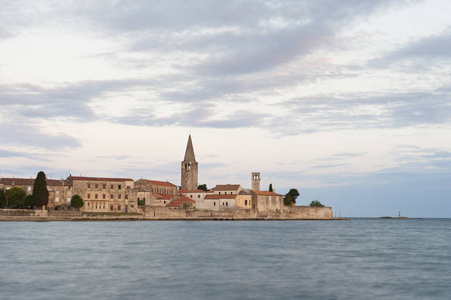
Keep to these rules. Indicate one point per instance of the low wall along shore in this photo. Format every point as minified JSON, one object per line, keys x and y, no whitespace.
{"x":165,"y":213}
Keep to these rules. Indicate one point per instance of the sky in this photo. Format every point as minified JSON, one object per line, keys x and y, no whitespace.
{"x":347,"y":101}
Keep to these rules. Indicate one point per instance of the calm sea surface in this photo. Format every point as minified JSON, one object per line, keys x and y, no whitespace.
{"x":355,"y":259}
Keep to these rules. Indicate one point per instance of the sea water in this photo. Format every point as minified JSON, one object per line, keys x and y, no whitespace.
{"x":355,"y":259}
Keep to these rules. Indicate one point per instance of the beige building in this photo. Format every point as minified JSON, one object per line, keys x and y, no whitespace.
{"x":244,"y":199}
{"x":105,"y":194}
{"x":264,"y":200}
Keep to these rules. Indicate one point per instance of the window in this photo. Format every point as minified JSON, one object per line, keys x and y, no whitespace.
{"x":57,"y":192}
{"x":126,"y":196}
{"x":104,"y":196}
{"x":96,"y":196}
{"x":97,"y":186}
{"x":118,"y":207}
{"x":111,"y":207}
{"x":112,"y":196}
{"x":191,"y":196}
{"x":198,"y":196}
{"x":119,"y":196}
{"x":104,"y":186}
{"x":112,"y":187}
{"x":164,"y":202}
{"x":89,"y":185}
{"x":227,"y":203}
{"x":214,"y":203}
{"x":245,"y":202}
{"x":219,"y":193}
{"x":118,"y":186}
{"x":89,"y":196}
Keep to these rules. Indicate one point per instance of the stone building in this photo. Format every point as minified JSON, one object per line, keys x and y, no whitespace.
{"x":156,"y":187}
{"x":227,"y":189}
{"x":60,"y":191}
{"x":266,"y":201}
{"x":189,"y":175}
{"x":105,"y":194}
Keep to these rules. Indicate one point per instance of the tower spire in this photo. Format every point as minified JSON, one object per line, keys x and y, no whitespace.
{"x":189,"y":168}
{"x":189,"y":153}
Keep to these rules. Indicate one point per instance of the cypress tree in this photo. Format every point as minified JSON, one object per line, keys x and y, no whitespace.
{"x":40,"y":192}
{"x":270,"y":188}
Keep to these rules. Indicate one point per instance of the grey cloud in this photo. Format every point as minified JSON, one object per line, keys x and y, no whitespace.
{"x":425,"y":52}
{"x":198,"y":117}
{"x":354,"y":111}
{"x":25,"y":132}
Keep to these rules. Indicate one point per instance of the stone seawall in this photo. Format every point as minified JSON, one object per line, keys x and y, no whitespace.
{"x":165,"y":213}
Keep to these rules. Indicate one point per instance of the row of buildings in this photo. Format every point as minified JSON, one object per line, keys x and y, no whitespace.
{"x":127,"y":195}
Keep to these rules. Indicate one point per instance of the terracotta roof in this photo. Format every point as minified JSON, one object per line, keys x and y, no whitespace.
{"x":164,"y":196}
{"x":190,"y":191}
{"x":266,"y":193}
{"x":212,"y":197}
{"x":98,"y":178}
{"x":226,"y":187}
{"x":162,"y":183}
{"x":30,"y":181}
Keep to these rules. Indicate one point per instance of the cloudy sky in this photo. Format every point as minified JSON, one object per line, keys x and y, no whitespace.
{"x":347,"y":101}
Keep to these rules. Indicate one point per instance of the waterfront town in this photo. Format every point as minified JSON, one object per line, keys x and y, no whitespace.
{"x":162,"y":199}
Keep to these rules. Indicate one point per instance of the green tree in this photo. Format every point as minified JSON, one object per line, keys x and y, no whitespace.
{"x":76,"y":201}
{"x":2,"y":198}
{"x":40,"y":192}
{"x":287,"y":200}
{"x":270,"y":188}
{"x":202,"y":187}
{"x":316,"y":203}
{"x":16,"y":197}
{"x":29,"y":201}
{"x":294,"y":195}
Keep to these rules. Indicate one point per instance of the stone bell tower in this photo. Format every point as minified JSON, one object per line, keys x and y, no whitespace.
{"x":189,"y":168}
{"x":256,"y":181}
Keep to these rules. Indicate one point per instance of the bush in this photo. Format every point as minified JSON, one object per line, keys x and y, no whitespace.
{"x":76,"y":202}
{"x":316,"y":203}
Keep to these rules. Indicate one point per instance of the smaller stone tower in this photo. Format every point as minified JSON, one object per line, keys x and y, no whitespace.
{"x":256,"y":181}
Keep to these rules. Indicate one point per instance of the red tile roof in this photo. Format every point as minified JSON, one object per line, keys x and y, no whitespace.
{"x":164,"y":196}
{"x":162,"y":183}
{"x":98,"y":179}
{"x":226,"y":187}
{"x":220,"y":197}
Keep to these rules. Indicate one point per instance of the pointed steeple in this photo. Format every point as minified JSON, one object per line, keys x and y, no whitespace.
{"x":189,"y":153}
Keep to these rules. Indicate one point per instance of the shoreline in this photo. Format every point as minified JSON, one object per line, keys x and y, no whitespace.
{"x":141,"y":218}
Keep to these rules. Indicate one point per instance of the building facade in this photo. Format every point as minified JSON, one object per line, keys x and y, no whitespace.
{"x":266,"y":201}
{"x":105,"y":194}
